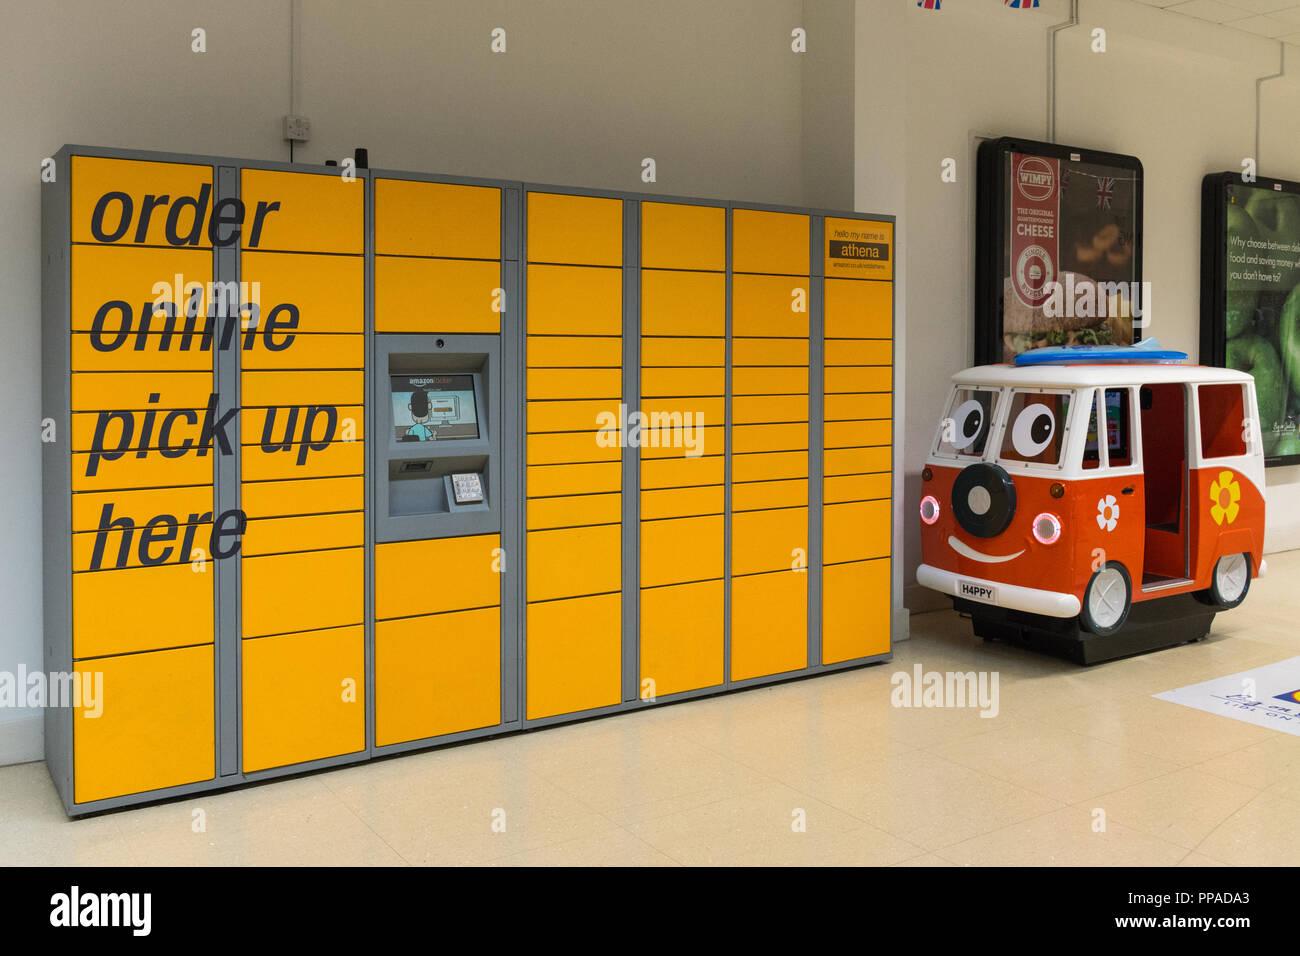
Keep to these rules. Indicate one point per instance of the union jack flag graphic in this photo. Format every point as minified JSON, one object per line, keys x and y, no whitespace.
{"x":928,"y":4}
{"x":1021,"y":4}
{"x":1105,"y":192}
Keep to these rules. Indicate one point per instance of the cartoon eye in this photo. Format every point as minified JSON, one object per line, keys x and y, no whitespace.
{"x":969,"y":422}
{"x":1033,"y":430}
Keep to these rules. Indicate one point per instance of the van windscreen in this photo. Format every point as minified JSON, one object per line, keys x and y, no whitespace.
{"x":964,"y":430}
{"x":1035,"y":430}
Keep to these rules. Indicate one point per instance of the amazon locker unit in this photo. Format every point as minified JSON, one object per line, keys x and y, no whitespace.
{"x":343,"y":462}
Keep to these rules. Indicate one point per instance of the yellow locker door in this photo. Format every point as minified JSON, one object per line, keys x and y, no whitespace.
{"x":855,"y":610}
{"x":586,"y":230}
{"x":304,"y":697}
{"x":451,"y":574}
{"x":771,"y":243}
{"x":302,"y":212}
{"x":437,"y":220}
{"x":681,"y":638}
{"x":574,"y":658}
{"x":156,"y":725}
{"x":437,"y":674}
{"x":137,"y":202}
{"x":437,"y":295}
{"x":769,"y":624}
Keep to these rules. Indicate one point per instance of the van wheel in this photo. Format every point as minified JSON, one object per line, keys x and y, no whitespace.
{"x":1229,"y":582}
{"x":1107,"y":600}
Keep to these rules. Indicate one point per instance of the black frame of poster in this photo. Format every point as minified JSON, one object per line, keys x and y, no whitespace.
{"x":1214,"y":270}
{"x":991,"y":197}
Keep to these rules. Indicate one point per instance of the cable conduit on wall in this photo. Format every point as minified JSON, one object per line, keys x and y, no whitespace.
{"x":1052,"y":31}
{"x":1259,"y":85}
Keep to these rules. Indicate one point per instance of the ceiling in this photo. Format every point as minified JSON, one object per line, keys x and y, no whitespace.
{"x":1279,"y":19}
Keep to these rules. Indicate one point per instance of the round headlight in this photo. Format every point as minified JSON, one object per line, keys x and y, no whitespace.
{"x":929,"y":509}
{"x":1047,"y":528}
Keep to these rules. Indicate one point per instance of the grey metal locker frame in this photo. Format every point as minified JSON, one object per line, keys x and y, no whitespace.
{"x":227,"y":638}
{"x":510,"y":443}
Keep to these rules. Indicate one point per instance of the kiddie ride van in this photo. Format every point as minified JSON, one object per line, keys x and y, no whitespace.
{"x":1095,"y":501}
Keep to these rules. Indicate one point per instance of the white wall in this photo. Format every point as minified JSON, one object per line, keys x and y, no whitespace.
{"x":1279,"y":156}
{"x":828,"y":94}
{"x":880,"y":168}
{"x":1177,"y":92}
{"x":584,"y":92}
{"x":108,"y":75}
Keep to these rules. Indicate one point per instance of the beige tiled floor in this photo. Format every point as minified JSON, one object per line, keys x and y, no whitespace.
{"x":1081,"y":766}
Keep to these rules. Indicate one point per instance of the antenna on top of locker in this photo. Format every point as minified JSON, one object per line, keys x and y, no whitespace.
{"x":360,"y":158}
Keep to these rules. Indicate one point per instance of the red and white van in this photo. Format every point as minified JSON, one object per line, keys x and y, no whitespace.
{"x":1077,"y":489}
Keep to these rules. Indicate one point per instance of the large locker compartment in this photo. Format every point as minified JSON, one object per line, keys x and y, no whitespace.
{"x":347,"y":462}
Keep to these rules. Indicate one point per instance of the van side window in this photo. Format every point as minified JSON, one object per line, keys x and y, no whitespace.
{"x":1114,"y":431}
{"x":1223,"y":420}
{"x":1118,"y":428}
{"x":1093,"y":439}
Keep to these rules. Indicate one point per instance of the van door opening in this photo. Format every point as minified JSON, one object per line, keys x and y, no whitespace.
{"x":1164,"y":457}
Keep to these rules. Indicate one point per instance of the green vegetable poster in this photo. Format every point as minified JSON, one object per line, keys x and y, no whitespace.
{"x":1257,"y":325}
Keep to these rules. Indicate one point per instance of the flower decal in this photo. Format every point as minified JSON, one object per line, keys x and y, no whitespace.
{"x":1107,"y":513}
{"x":1225,"y":493}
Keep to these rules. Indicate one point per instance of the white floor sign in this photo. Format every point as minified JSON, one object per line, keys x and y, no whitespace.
{"x":1267,"y":696}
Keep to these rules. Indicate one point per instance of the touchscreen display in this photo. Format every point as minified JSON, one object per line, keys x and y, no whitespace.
{"x":434,"y":407}
{"x":1116,"y":427}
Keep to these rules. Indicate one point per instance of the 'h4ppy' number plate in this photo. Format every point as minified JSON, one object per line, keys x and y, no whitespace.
{"x":977,"y":592}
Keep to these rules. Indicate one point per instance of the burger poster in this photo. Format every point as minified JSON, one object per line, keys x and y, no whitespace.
{"x":1252,"y":322}
{"x":1059,"y":232}
{"x":1035,"y":227}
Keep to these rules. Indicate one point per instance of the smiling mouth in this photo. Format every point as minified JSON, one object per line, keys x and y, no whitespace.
{"x":966,"y":551}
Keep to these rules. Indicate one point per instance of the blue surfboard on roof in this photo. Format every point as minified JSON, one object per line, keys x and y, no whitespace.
{"x":1148,"y":352}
